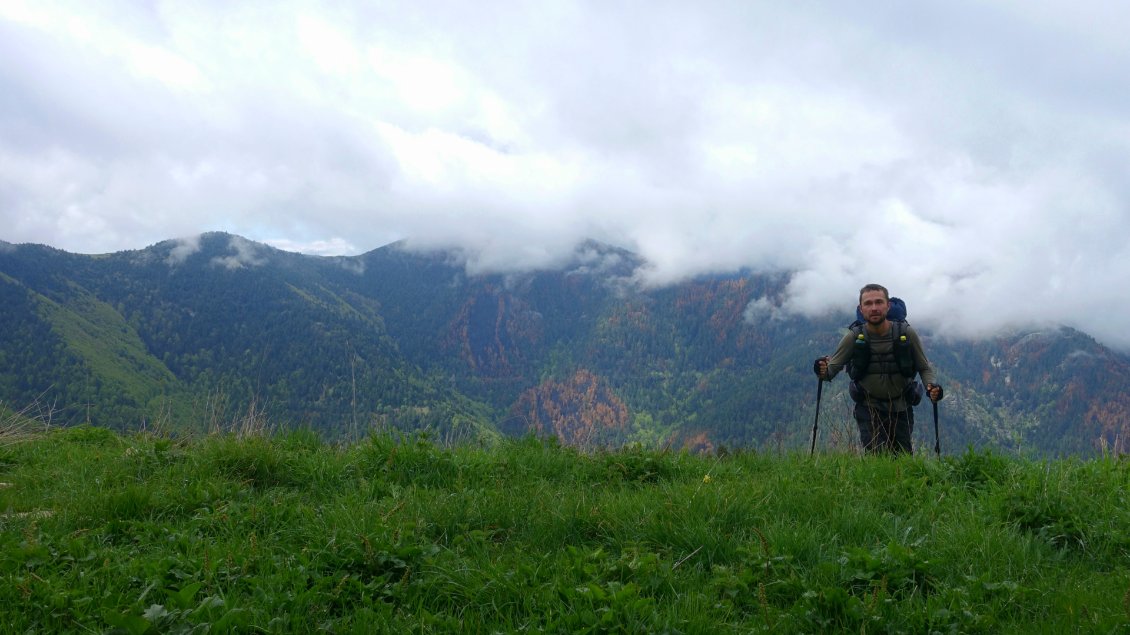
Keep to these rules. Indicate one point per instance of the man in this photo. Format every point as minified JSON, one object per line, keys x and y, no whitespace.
{"x":882,"y":357}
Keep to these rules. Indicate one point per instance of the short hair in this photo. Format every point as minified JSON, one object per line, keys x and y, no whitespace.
{"x":874,"y":287}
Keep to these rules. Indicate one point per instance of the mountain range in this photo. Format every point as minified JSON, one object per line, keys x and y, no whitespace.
{"x":199,"y":333}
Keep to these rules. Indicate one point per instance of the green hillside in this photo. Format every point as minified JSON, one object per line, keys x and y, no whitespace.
{"x":142,"y":533}
{"x":225,"y":339}
{"x":203,"y":332}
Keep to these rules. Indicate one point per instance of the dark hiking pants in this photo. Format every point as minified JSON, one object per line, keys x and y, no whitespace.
{"x":884,"y":430}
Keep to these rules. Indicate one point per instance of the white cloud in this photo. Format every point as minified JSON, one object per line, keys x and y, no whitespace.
{"x":244,"y":253}
{"x":183,"y":248}
{"x":970,"y":155}
{"x":762,"y":309}
{"x":331,"y":247}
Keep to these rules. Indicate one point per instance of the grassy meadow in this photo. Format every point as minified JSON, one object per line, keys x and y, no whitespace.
{"x":287,"y":533}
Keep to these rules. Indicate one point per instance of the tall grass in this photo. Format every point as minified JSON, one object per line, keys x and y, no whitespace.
{"x":286,"y":533}
{"x":17,"y":426}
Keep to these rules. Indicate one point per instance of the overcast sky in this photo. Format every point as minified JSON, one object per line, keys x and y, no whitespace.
{"x":972,"y":155}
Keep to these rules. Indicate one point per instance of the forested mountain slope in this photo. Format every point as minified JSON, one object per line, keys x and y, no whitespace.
{"x":189,"y":333}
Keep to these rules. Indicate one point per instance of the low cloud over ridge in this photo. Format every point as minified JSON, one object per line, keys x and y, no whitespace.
{"x":970,"y":156}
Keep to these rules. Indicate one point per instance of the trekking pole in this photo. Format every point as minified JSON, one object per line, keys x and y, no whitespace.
{"x":819,"y":391}
{"x":937,"y":443}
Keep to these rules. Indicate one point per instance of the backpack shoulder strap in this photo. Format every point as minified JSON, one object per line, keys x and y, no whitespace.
{"x":860,"y":352}
{"x":904,"y":354}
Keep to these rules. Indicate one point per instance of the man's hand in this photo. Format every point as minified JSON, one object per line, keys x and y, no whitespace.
{"x":820,"y":367}
{"x":935,"y":393}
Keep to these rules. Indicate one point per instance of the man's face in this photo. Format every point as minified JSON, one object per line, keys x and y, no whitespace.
{"x":874,"y":306}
